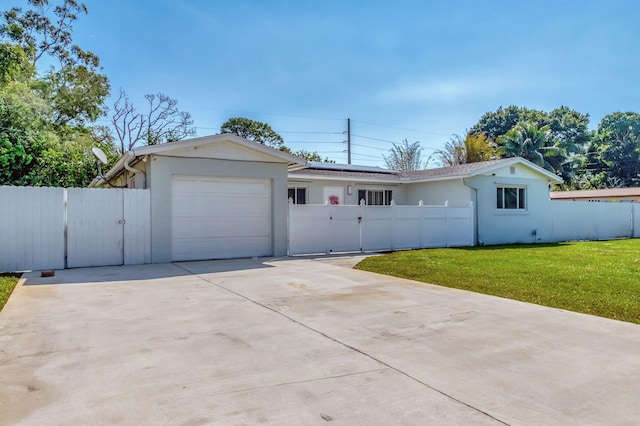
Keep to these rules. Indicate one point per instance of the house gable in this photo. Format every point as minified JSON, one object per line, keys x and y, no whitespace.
{"x":519,"y":168}
{"x":226,"y":150}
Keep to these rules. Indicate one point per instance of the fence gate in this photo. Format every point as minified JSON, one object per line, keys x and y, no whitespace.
{"x":95,"y":227}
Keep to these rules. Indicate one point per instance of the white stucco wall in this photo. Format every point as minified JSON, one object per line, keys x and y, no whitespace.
{"x":161,"y":170}
{"x":505,"y":226}
{"x":437,"y":193}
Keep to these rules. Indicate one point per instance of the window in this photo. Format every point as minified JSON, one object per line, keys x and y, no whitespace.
{"x":298,"y":195}
{"x":511,"y":198}
{"x":376,"y":197}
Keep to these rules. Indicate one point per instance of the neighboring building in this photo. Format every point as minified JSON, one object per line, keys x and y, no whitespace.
{"x":222,"y":196}
{"x":614,"y":195}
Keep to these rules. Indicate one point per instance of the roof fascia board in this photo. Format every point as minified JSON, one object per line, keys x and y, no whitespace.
{"x":293,"y":176}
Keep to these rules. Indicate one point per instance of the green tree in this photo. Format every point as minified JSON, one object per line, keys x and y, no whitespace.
{"x":307,"y":155}
{"x":263,"y":133}
{"x":23,"y":132}
{"x":77,"y":89}
{"x":47,"y":114}
{"x":405,"y":157}
{"x":497,"y":123}
{"x":535,"y":144}
{"x":14,"y":65}
{"x":471,"y":149}
{"x":68,"y":161}
{"x":568,"y":130}
{"x":253,"y":130}
{"x":617,"y":142}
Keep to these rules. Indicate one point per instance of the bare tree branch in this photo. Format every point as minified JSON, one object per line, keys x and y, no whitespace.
{"x":163,"y":122}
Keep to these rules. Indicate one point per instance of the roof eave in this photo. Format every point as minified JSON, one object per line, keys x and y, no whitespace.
{"x":294,"y":176}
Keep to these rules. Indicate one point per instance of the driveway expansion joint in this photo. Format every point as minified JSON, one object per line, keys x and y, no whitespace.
{"x":296,"y":382}
{"x":387,"y":365}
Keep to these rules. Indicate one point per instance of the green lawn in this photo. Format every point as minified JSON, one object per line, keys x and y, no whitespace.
{"x":599,"y":278}
{"x":7,"y":283}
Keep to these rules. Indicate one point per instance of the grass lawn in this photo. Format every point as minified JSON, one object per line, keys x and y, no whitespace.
{"x":598,"y":278}
{"x":7,"y":284}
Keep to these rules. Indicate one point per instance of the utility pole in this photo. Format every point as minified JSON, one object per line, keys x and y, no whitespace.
{"x":348,"y":141}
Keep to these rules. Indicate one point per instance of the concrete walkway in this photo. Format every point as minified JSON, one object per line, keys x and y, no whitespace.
{"x":301,"y":341}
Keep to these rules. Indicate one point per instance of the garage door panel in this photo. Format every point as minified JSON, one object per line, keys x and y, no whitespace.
{"x":199,"y":205}
{"x":216,"y":218}
{"x":229,"y":228}
{"x":221,"y":248}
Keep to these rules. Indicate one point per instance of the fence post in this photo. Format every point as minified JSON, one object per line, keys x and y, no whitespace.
{"x":421,"y":220}
{"x":471,"y":224}
{"x":393,"y":224}
{"x":290,"y":203}
{"x":446,"y":223}
{"x":361,"y":205}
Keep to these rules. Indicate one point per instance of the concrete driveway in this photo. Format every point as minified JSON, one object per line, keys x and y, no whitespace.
{"x":301,"y":341}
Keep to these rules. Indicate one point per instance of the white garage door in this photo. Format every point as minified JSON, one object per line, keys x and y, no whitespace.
{"x":218,"y":218}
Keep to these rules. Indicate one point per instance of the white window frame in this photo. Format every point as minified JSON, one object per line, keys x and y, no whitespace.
{"x":295,"y":194}
{"x":522,"y":202}
{"x":386,"y":196}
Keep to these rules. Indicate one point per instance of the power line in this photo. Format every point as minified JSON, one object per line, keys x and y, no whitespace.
{"x":370,"y":147}
{"x":400,"y":128}
{"x":314,"y":133}
{"x":388,"y":141}
{"x":366,"y":155}
{"x":310,"y":142}
{"x":373,"y":139}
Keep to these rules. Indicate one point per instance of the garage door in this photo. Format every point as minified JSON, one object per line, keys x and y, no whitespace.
{"x":218,"y":218}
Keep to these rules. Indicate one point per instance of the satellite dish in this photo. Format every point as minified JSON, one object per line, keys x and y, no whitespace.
{"x":100,"y":155}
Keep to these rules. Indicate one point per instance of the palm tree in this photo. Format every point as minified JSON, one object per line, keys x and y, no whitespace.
{"x":535,"y":144}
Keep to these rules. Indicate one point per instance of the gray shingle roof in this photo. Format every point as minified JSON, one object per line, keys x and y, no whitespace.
{"x":337,"y":171}
{"x":451,"y":171}
{"x":387,"y":177}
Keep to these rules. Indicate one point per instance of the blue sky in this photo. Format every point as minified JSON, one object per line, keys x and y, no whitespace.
{"x":420,"y":70}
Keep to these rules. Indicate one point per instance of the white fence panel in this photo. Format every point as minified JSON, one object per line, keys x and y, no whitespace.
{"x":31,"y":228}
{"x":308,"y":228}
{"x":583,"y":220}
{"x":434,"y":227}
{"x":344,"y":231}
{"x":376,"y":227}
{"x":137,"y":226}
{"x":327,"y":228}
{"x":406,"y":232}
{"x":636,"y":220}
{"x":95,"y":235}
{"x":459,"y":226}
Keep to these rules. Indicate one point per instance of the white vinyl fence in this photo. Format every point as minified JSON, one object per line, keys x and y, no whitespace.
{"x":336,"y":228}
{"x":56,"y":228}
{"x":584,"y":220}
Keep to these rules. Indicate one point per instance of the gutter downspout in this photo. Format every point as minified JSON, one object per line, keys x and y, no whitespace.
{"x":475,"y":211}
{"x":132,"y":156}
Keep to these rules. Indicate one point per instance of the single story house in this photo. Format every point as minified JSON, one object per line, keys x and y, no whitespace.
{"x":223,"y":196}
{"x":614,"y":195}
{"x":510,"y":195}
